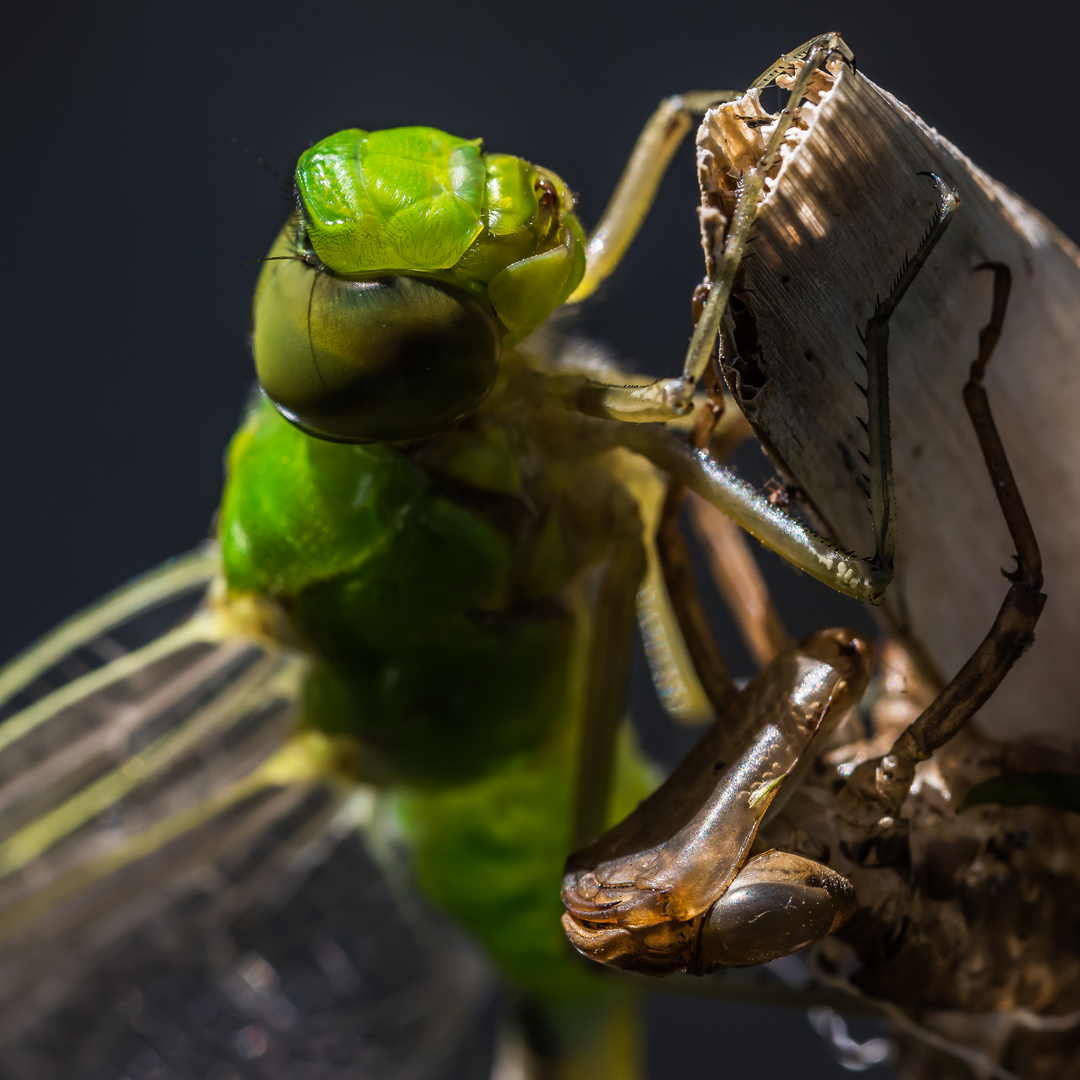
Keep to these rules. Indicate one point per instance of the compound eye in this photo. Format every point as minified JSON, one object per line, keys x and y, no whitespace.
{"x":371,"y":361}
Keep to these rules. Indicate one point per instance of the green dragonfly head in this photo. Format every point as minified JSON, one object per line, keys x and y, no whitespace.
{"x":413,"y":260}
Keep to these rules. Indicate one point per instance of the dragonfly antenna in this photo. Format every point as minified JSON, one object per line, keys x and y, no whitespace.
{"x":268,"y":258}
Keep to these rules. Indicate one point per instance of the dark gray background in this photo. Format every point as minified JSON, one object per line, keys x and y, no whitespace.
{"x":128,"y":206}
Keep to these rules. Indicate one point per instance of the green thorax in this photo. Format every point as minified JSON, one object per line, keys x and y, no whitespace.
{"x":442,"y":590}
{"x":435,"y":585}
{"x":417,"y":200}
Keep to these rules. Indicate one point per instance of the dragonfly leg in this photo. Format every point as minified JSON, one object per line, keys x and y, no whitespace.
{"x":740,"y":581}
{"x":877,"y":789}
{"x":670,"y":397}
{"x":674,"y":558}
{"x":678,"y":641}
{"x":862,"y":578}
{"x":752,"y":509}
{"x":832,"y":42}
{"x":610,"y":654}
{"x":733,"y":568}
{"x":876,"y":361}
{"x":636,"y":190}
{"x":673,"y":670}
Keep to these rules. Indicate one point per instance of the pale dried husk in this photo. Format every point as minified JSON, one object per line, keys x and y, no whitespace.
{"x":846,"y":208}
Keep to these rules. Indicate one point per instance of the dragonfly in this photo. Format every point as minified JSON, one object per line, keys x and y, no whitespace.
{"x":406,"y":557}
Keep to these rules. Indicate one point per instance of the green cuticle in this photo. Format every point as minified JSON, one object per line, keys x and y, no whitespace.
{"x":405,"y":199}
{"x":423,"y":202}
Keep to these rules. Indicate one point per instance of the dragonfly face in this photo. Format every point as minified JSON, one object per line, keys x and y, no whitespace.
{"x":412,"y":261}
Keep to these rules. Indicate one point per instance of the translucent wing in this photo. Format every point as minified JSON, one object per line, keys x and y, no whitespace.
{"x":160,"y":821}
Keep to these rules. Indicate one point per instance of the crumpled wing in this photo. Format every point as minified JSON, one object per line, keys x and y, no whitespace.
{"x":183,"y":886}
{"x":142,"y":771}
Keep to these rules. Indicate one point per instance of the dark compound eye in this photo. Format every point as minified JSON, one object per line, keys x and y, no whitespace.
{"x":371,"y":361}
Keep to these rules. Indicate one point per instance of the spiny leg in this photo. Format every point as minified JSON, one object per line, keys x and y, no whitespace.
{"x":831,"y":40}
{"x":636,"y":189}
{"x":877,"y":789}
{"x":667,"y":398}
{"x":652,"y":153}
{"x":752,"y":510}
{"x":876,"y":337}
{"x":861,"y":578}
{"x":671,"y":668}
{"x":818,"y":52}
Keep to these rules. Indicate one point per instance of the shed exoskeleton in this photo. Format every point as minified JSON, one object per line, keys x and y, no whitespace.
{"x":872,"y":813}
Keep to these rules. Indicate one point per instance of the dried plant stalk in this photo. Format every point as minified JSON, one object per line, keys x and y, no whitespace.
{"x":846,"y":208}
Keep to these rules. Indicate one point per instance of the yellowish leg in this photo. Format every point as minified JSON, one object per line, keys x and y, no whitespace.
{"x":674,"y":556}
{"x":862,"y":578}
{"x":634,"y":194}
{"x":667,"y":398}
